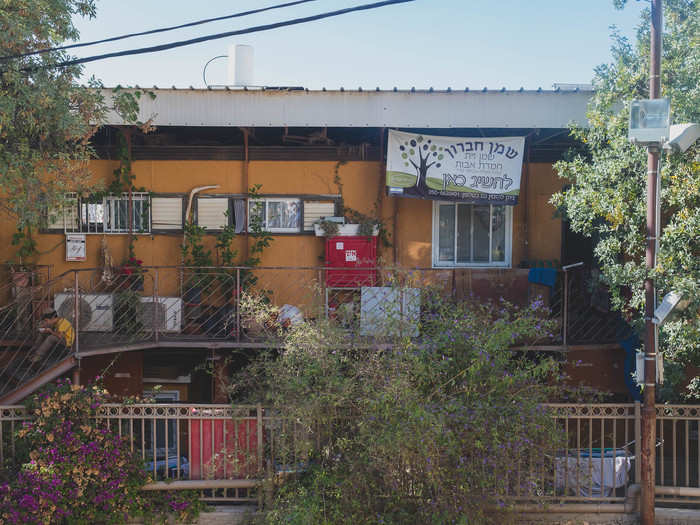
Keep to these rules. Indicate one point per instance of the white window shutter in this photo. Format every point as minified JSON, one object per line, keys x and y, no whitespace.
{"x":166,"y":213}
{"x":211,"y":213}
{"x":313,"y":211}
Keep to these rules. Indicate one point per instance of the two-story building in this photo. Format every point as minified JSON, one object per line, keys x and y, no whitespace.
{"x":484,"y":227}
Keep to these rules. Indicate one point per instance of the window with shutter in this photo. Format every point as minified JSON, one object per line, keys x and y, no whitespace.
{"x":313,"y":211}
{"x":166,"y":213}
{"x":212,"y":212}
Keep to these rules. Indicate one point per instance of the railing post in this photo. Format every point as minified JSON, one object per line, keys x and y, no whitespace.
{"x":76,"y":315}
{"x":238,"y":304}
{"x":259,"y":412}
{"x":155,"y":307}
{"x":565,"y":306}
{"x":637,"y":439}
{"x":323,"y":299}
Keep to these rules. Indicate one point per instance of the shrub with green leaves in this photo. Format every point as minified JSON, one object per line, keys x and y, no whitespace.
{"x":433,"y":429}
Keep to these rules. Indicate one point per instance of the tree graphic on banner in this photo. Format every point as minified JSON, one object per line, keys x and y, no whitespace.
{"x":422,"y":154}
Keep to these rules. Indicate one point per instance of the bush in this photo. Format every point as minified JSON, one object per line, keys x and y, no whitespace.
{"x":76,"y":470}
{"x":427,"y":430}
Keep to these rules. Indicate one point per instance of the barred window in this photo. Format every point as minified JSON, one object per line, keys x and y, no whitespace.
{"x":108,"y":214}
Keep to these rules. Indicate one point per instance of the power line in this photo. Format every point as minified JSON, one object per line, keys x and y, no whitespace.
{"x":255,"y":29}
{"x":154,"y":31}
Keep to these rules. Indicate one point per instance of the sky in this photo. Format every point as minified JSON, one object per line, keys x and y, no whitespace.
{"x":421,"y":44}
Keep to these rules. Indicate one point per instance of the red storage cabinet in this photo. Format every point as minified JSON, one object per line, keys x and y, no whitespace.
{"x":351,"y":261}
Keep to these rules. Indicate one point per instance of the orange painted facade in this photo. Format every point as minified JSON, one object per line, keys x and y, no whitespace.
{"x":363,"y":190}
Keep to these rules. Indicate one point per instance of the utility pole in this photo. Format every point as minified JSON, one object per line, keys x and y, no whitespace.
{"x":648,"y":459}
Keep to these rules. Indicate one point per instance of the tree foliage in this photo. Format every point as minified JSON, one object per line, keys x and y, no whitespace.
{"x":429,"y":430}
{"x":607,"y":198}
{"x":46,"y":117}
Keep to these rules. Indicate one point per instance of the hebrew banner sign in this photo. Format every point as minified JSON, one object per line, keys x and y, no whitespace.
{"x":474,"y":170}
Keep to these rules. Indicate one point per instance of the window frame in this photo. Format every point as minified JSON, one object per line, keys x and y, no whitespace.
{"x":266,"y":200}
{"x":435,"y":241}
{"x":108,"y":214}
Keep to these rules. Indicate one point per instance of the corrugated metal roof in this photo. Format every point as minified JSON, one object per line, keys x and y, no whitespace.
{"x":407,"y":108}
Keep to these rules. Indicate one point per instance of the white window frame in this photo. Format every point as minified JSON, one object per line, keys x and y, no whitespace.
{"x":265,"y":201}
{"x":110,"y":214}
{"x":437,"y":263}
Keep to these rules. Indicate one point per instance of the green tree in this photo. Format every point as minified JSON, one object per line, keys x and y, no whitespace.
{"x":431,"y":430}
{"x":607,"y":197}
{"x":46,"y":117}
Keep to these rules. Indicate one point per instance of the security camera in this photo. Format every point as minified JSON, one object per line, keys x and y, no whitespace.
{"x":682,"y":136}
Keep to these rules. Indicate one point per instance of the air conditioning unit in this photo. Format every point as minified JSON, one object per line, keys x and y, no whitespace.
{"x":167,"y":314}
{"x":96,"y":311}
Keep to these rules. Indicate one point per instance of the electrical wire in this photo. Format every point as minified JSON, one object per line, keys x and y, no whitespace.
{"x":255,"y":29}
{"x":154,"y":31}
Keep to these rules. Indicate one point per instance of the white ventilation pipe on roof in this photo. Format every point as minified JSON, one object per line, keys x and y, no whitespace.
{"x":240,"y":65}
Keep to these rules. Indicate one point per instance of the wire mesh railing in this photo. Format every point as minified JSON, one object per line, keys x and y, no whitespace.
{"x":239,"y":306}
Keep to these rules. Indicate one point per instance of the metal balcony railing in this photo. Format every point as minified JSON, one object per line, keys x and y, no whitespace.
{"x":146,"y":307}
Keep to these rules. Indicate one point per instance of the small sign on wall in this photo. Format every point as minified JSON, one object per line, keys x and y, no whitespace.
{"x":75,"y":247}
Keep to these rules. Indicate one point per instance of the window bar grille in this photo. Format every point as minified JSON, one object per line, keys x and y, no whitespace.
{"x":490,"y":234}
{"x":471,"y":234}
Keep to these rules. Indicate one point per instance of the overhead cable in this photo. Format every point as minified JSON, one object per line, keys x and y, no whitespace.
{"x":154,"y":31}
{"x":255,"y":29}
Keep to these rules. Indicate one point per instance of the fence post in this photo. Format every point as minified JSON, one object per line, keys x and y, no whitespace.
{"x":259,"y":413}
{"x":637,"y":438}
{"x":323,"y":299}
{"x":156,"y":336}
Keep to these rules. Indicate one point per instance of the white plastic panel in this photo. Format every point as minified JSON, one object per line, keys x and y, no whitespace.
{"x":211,"y":212}
{"x":389,"y":311}
{"x":166,"y":213}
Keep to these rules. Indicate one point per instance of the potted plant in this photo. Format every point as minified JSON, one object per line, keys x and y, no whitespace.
{"x":329,"y":228}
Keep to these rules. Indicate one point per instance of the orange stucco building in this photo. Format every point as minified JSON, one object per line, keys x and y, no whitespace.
{"x":307,"y":152}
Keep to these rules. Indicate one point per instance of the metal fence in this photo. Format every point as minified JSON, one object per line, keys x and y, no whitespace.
{"x":226,"y":451}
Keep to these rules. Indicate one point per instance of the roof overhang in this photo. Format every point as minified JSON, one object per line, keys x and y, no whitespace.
{"x":403,"y":109}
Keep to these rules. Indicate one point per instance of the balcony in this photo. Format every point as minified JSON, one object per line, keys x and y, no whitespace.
{"x":239,"y":307}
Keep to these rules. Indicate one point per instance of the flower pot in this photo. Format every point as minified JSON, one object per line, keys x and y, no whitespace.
{"x":343,"y":230}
